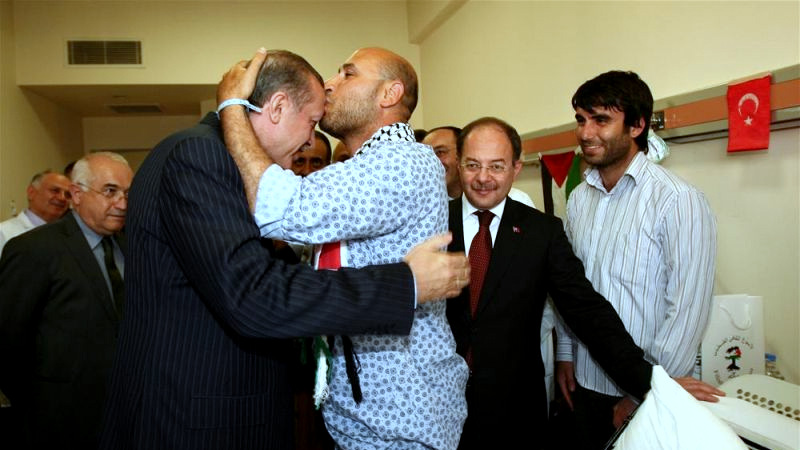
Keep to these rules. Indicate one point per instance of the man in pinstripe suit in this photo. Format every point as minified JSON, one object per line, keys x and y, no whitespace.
{"x":647,"y":240}
{"x":203,"y":357}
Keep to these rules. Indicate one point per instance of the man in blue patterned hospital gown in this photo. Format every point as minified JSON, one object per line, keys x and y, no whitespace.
{"x":377,"y":205}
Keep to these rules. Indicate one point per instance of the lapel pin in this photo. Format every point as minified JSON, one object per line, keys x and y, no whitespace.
{"x":516,"y":229}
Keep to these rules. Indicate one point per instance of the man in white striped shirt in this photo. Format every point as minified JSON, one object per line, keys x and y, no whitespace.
{"x":648,"y":243}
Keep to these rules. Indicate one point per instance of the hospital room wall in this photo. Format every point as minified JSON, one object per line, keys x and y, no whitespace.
{"x":35,"y":133}
{"x":183,"y":42}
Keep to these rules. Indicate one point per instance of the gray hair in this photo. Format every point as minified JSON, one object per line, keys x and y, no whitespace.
{"x":82,"y":173}
{"x":36,"y":181}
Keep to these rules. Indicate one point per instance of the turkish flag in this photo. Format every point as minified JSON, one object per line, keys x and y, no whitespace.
{"x":749,"y":115}
{"x":558,"y":165}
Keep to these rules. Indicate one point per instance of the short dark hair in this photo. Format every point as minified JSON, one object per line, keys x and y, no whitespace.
{"x":622,"y":91}
{"x":456,"y":131}
{"x":68,"y":168}
{"x":284,"y":71}
{"x":419,"y":134}
{"x":510,"y":132}
{"x":321,"y":136}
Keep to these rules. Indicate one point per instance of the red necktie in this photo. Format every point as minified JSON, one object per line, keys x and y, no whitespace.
{"x":480,"y":251}
{"x":330,"y":257}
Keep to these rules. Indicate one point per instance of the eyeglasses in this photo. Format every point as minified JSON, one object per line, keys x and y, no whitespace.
{"x":110,"y":192}
{"x":493,"y":168}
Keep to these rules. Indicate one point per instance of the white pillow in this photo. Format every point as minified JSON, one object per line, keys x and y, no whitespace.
{"x":670,"y":418}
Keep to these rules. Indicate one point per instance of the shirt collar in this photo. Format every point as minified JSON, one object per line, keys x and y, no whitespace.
{"x":634,"y":171}
{"x":467,"y":209}
{"x":396,"y":132}
{"x":35,"y":220}
{"x":91,"y":236}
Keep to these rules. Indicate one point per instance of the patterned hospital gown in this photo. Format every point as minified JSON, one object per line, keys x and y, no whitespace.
{"x":388,"y":198}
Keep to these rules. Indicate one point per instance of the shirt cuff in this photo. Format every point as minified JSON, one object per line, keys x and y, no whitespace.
{"x":276,"y":188}
{"x":414,"y":277}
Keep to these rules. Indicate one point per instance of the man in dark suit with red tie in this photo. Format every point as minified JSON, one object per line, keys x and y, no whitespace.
{"x":518,"y":256}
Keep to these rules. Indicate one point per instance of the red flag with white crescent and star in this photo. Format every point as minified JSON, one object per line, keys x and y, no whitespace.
{"x":749,"y":115}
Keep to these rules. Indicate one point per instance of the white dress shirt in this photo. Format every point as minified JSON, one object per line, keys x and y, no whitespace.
{"x":649,"y":247}
{"x":471,"y":223}
{"x":13,"y":227}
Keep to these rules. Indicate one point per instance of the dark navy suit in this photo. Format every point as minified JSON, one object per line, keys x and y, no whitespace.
{"x":203,"y":352}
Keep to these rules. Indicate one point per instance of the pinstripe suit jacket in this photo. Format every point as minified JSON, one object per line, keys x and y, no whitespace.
{"x":202,"y":357}
{"x":58,"y":332}
{"x":531,"y":258}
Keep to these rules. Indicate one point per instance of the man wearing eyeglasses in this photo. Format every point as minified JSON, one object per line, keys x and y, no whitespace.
{"x":518,"y":256}
{"x":48,"y":200}
{"x":443,"y":141}
{"x":61,"y":300}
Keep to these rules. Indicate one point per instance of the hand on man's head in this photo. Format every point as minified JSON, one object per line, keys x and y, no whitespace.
{"x":240,"y":80}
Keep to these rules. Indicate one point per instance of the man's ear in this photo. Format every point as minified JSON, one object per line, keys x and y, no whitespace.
{"x":392,"y":93}
{"x":276,"y":106}
{"x":637,"y":129}
{"x":517,"y":167}
{"x":31,"y":191}
{"x":76,"y":194}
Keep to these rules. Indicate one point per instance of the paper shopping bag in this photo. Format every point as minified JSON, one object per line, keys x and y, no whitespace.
{"x":733,"y":344}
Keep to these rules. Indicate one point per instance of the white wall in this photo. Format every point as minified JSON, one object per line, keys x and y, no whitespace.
{"x":191,"y":42}
{"x":35,"y":133}
{"x":522,"y":61}
{"x":194,"y":42}
{"x":131,"y":137}
{"x":755,"y":196}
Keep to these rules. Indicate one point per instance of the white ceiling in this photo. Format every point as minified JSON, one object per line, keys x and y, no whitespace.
{"x":92,"y":100}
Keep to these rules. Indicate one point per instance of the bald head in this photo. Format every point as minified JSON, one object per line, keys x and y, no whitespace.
{"x":395,"y":67}
{"x":373,"y":88}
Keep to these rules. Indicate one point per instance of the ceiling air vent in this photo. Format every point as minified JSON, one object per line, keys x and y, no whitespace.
{"x":149,"y":108}
{"x":104,"y":52}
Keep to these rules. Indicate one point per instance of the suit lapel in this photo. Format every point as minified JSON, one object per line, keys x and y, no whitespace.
{"x":456,"y":221}
{"x":122,"y":242}
{"x":506,"y":245}
{"x":84,"y":259}
{"x":456,"y":226}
